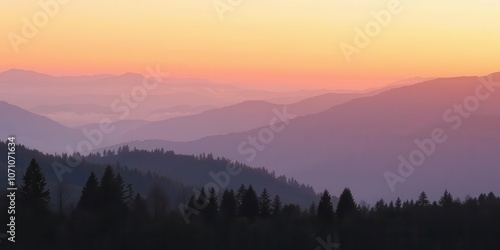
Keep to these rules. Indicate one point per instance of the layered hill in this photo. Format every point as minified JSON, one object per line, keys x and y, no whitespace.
{"x":356,"y":143}
{"x":177,"y":174}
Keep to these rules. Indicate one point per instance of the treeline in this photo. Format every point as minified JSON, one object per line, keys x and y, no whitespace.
{"x":177,"y":174}
{"x":74,"y":177}
{"x":181,"y":168}
{"x":111,"y":215}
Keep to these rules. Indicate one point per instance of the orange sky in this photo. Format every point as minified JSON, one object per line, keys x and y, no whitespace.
{"x":285,"y":44}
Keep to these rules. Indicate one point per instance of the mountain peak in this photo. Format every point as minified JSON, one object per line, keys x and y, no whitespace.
{"x":21,"y":72}
{"x":22,"y":75}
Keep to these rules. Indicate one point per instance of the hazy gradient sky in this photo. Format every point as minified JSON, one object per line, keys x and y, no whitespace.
{"x":293,"y":44}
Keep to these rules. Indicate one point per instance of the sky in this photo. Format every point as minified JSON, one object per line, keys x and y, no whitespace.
{"x":295,"y":44}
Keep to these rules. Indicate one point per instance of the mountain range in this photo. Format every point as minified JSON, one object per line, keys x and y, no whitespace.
{"x":358,"y":143}
{"x":35,"y":92}
{"x":397,"y":141}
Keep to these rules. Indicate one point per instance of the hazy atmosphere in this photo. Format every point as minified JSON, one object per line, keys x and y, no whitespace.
{"x":233,"y":124}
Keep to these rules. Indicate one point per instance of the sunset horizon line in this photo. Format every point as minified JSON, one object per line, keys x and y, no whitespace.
{"x":231,"y":83}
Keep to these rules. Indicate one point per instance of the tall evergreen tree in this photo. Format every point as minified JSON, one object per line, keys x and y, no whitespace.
{"x":112,"y":199}
{"x":107,"y":187}
{"x":423,"y":201}
{"x":250,"y":203}
{"x":398,"y":204}
{"x":325,"y":208}
{"x":32,"y":213}
{"x":446,"y":200}
{"x":90,"y":194}
{"x":481,"y":200}
{"x":228,"y":205}
{"x":346,"y":206}
{"x":264,"y":204}
{"x":276,"y":207}
{"x":211,"y":210}
{"x":33,"y":193}
{"x":121,"y":192}
{"x":380,"y":205}
{"x":490,"y":198}
{"x":391,"y":207}
{"x":112,"y":189}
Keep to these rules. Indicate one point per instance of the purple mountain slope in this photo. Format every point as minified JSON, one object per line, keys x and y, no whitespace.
{"x":356,"y":143}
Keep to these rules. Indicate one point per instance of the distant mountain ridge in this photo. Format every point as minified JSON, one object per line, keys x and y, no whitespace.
{"x":355,"y":143}
{"x":230,"y":119}
{"x":35,"y":130}
{"x":236,"y":118}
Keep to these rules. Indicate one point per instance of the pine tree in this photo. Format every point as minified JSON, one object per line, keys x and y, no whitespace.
{"x":423,"y":201}
{"x":325,"y":208}
{"x":346,"y":205}
{"x":406,"y":204}
{"x":228,"y":205}
{"x":112,"y":189}
{"x":250,"y":204}
{"x":398,"y":204}
{"x":32,"y":213}
{"x":90,"y":194}
{"x":391,"y":207}
{"x":446,"y":200}
{"x":210,"y":211}
{"x":490,"y":198}
{"x":276,"y":206}
{"x":481,"y":200}
{"x":121,"y":193}
{"x":33,"y":194}
{"x":107,"y":187}
{"x":380,"y":205}
{"x":112,"y":198}
{"x":264,"y":204}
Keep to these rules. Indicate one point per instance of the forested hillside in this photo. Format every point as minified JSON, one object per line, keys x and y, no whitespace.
{"x":176,"y":174}
{"x":203,"y":169}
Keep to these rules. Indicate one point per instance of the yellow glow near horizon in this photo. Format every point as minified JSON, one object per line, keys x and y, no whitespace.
{"x":292,"y":44}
